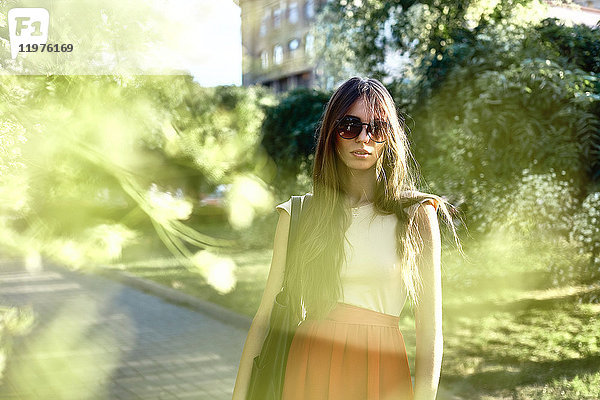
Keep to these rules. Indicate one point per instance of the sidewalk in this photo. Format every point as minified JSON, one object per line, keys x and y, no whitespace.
{"x":95,"y":338}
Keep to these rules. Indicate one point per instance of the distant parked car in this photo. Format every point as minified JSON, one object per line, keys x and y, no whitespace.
{"x":216,"y":198}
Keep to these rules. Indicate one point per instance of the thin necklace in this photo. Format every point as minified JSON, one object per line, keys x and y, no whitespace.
{"x":356,"y":208}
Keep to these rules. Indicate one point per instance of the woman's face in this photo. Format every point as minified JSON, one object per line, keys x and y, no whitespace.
{"x":361,"y":152}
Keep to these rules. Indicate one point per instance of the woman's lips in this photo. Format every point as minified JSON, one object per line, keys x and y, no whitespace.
{"x":360,"y":153}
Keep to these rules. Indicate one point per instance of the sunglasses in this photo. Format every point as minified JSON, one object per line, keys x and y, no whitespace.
{"x":350,"y":127}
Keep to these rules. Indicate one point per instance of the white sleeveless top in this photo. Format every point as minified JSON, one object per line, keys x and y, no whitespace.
{"x":371,"y":276}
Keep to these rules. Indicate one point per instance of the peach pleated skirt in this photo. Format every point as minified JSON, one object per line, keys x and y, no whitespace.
{"x":353,"y":354}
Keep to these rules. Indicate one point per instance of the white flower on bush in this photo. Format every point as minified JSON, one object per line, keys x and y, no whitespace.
{"x":165,"y":206}
{"x":33,"y":261}
{"x":218,"y":271}
{"x":96,"y":245}
{"x":69,"y":252}
{"x":105,"y":242}
{"x":247,"y":196}
{"x":541,"y":203}
{"x":586,"y":229}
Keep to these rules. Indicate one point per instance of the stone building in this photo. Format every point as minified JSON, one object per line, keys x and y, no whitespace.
{"x":276,"y":43}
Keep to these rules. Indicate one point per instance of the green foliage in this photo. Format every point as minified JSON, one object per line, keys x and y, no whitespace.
{"x":586,"y":229}
{"x":374,"y":30}
{"x":483,"y":34}
{"x":349,"y":38}
{"x":289,"y":132}
{"x":13,"y":322}
{"x":539,"y":208}
{"x":533,"y":348}
{"x":532,"y":116}
{"x":91,"y":164}
{"x":527,"y":58}
{"x":212,"y":130}
{"x":577,"y":45}
{"x":503,"y":296}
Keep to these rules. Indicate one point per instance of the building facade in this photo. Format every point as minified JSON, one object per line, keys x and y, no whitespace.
{"x":277,"y":45}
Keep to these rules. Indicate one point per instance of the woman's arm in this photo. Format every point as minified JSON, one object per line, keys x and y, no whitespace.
{"x":260,"y":323}
{"x":428,"y":313}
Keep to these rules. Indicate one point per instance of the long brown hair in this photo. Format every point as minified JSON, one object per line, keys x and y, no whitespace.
{"x":317,"y":255}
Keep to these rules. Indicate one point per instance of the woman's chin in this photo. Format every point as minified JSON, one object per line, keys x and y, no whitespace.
{"x":360,"y":166}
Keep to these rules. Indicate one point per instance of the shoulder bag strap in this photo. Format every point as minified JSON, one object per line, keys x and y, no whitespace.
{"x":294,"y":218}
{"x":299,"y":203}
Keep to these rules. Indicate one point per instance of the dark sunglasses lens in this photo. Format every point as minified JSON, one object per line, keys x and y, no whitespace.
{"x":349,"y":129}
{"x":378,"y":131}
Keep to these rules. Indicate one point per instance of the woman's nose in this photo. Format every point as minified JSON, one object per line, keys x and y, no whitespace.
{"x":363,"y":136}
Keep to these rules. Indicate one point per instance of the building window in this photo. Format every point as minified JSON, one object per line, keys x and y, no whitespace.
{"x":309,"y":9}
{"x":277,"y":17}
{"x":293,"y":13}
{"x":277,"y":54}
{"x":264,"y":59}
{"x":283,"y":85}
{"x":264,"y":23}
{"x":294,"y":44}
{"x":309,"y":44}
{"x":292,"y":82}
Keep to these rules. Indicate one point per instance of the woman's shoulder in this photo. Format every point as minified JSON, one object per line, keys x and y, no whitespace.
{"x":287,"y":205}
{"x":412,"y":199}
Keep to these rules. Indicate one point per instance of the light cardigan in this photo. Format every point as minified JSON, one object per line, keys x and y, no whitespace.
{"x":371,"y":273}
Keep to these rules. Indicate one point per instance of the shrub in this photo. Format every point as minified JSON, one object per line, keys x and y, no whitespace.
{"x":289,"y":132}
{"x":542,"y":205}
{"x":586,"y":229}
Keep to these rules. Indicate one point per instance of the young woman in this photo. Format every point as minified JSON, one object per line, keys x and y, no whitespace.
{"x":366,"y":242}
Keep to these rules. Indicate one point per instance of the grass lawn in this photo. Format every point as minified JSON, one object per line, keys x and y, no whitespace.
{"x":509,"y":332}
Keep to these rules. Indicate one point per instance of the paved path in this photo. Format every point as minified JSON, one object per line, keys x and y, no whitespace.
{"x":98,"y":339}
